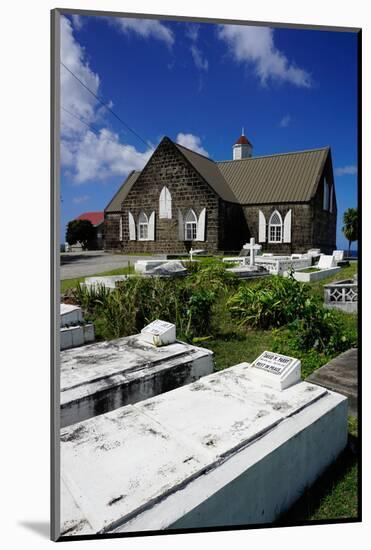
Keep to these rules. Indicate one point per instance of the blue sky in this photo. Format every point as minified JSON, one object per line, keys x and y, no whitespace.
{"x":200,"y":84}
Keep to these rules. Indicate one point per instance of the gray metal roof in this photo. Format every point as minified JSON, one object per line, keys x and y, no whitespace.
{"x":209,"y":171}
{"x":287,"y":177}
{"x":115,"y":204}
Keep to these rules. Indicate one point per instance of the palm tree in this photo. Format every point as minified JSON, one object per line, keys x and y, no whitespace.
{"x":350,"y":228}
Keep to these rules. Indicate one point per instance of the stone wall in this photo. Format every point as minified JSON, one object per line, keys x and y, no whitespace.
{"x":301,"y":227}
{"x":112,"y":231}
{"x":168,"y":167}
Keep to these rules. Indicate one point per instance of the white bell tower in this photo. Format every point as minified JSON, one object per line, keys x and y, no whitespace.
{"x":242,"y":149}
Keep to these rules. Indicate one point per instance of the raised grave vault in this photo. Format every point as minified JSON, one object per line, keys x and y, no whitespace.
{"x":103,"y":376}
{"x":233,"y":448}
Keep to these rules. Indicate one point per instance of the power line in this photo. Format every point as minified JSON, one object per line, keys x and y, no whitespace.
{"x":80,"y":119}
{"x":90,"y":126}
{"x":102,"y":102}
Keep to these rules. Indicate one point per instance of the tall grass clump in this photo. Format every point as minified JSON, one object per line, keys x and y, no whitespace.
{"x":188,"y":302}
{"x":271,"y":303}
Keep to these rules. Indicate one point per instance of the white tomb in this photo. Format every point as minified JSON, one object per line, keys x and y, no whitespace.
{"x":169,"y":268}
{"x":338,"y":255}
{"x":326,"y":262}
{"x":142,"y":266}
{"x":70,"y":314}
{"x":314,"y":252}
{"x":281,"y":265}
{"x":103,"y":376}
{"x":230,"y":449}
{"x":74,"y":331}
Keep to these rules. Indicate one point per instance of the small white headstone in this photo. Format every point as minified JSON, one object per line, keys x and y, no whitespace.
{"x":277,"y":371}
{"x":159,"y":333}
{"x":338,"y":255}
{"x":314,"y":252}
{"x":325,"y":262}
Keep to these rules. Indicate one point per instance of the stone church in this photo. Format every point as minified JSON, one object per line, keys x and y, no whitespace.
{"x":182,"y":199}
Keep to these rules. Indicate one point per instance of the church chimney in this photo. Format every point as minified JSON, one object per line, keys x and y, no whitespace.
{"x":242,"y":149}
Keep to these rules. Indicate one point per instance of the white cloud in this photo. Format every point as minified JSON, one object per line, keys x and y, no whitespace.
{"x":285,"y":121}
{"x":349,"y":170}
{"x":77,"y":22}
{"x":146,"y":28}
{"x":192,"y":31}
{"x":255,"y":46}
{"x":199,"y":59}
{"x":98,"y":157}
{"x":74,"y":97}
{"x":87,"y":155}
{"x":80,"y":200}
{"x":201,"y":62}
{"x":192,"y":142}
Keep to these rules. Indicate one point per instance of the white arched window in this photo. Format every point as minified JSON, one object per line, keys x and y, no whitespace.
{"x":190,"y":226}
{"x":143,"y":227}
{"x":275,"y":228}
{"x":165,"y":204}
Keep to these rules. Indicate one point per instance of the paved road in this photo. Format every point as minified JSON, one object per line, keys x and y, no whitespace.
{"x":80,"y":264}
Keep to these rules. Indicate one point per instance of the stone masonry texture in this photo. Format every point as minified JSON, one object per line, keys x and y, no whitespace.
{"x":228,"y":225}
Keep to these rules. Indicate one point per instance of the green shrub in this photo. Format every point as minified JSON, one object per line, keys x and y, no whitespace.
{"x":137,"y":301}
{"x":90,"y":298}
{"x":271,"y":303}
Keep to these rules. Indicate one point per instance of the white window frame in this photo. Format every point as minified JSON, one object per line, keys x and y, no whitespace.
{"x":277,"y":229}
{"x":165,"y":204}
{"x":190,"y":226}
{"x":143,"y":227}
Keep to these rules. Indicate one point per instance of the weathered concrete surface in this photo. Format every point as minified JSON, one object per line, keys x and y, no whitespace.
{"x":72,"y":337}
{"x":101,"y":377}
{"x":340,"y":375}
{"x":225,"y":450}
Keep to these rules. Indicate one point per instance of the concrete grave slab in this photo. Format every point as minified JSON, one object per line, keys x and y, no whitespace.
{"x":340,"y":375}
{"x":104,"y":376}
{"x":227,"y":450}
{"x":142,"y":266}
{"x":172,"y":268}
{"x":310,"y":277}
